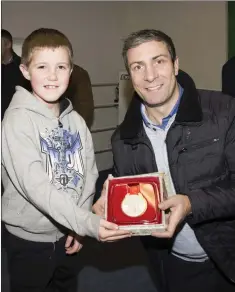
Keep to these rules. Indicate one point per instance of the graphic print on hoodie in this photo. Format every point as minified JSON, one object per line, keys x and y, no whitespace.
{"x":64,"y":164}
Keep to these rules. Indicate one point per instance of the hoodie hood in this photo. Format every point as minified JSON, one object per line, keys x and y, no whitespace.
{"x":23,"y":99}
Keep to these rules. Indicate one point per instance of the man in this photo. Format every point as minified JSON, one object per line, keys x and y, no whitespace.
{"x":80,"y":93}
{"x":228,"y":77}
{"x":189,"y":134}
{"x":11,"y":75}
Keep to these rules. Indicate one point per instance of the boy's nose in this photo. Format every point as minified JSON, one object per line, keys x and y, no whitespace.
{"x":52,"y":75}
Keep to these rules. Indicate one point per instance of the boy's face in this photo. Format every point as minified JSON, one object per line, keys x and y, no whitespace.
{"x":49,"y":72}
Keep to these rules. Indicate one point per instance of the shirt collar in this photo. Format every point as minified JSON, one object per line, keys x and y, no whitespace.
{"x":165,"y":120}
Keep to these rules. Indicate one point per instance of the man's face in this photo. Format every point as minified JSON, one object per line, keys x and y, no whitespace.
{"x":49,"y":72}
{"x":153,"y":73}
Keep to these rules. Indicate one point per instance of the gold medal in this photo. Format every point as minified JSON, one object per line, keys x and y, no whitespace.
{"x":134,"y":205}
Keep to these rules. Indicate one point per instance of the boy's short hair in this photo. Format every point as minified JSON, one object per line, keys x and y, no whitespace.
{"x":44,"y":38}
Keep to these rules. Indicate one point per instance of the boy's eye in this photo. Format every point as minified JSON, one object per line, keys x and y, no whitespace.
{"x":62,"y":67}
{"x":41,"y":67}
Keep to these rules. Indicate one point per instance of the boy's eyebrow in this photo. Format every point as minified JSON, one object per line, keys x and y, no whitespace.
{"x":153,"y":58}
{"x":43,"y":63}
{"x":63,"y":63}
{"x":40,"y":63}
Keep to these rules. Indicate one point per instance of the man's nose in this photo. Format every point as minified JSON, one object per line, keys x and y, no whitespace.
{"x":151,"y":73}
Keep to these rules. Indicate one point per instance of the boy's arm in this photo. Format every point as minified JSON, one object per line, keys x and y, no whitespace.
{"x":92,"y":173}
{"x":22,"y":160}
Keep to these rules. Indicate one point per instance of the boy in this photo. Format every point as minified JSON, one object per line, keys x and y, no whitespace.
{"x":48,"y":172}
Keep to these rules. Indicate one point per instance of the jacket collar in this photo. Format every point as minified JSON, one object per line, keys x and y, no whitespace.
{"x":189,"y":111}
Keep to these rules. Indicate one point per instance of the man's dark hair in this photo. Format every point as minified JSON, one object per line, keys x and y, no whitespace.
{"x":146,"y":35}
{"x":6,"y":35}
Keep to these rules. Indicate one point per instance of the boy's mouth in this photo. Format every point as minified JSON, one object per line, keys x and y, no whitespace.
{"x":51,"y":86}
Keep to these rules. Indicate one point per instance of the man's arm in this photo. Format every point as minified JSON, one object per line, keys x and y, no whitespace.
{"x":218,"y":200}
{"x":214,"y":202}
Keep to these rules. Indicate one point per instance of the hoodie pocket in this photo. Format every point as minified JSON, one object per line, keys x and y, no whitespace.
{"x":19,"y":212}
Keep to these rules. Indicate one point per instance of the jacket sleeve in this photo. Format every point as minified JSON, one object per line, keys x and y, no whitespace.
{"x":218,"y":200}
{"x":22,"y":161}
{"x":81,"y":94}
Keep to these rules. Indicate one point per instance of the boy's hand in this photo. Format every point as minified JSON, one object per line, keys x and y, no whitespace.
{"x":109,"y":232}
{"x":72,"y":244}
{"x":180,"y":207}
{"x":99,"y":207}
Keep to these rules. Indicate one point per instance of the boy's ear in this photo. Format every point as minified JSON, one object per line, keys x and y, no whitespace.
{"x":25,"y":71}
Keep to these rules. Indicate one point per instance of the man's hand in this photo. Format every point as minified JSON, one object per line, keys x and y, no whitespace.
{"x":72,"y":244}
{"x":109,"y":232}
{"x":180,"y":207}
{"x":99,"y":207}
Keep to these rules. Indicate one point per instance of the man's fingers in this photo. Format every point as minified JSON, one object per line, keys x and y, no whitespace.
{"x":167,"y":204}
{"x":173,"y":219}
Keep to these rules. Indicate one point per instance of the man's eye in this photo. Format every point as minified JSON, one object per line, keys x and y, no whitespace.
{"x":160,"y":61}
{"x":137,"y":68}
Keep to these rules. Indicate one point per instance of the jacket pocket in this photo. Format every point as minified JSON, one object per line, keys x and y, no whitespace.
{"x":202,"y":161}
{"x":193,"y":147}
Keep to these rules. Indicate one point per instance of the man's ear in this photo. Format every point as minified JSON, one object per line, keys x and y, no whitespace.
{"x":25,"y":71}
{"x":176,"y":66}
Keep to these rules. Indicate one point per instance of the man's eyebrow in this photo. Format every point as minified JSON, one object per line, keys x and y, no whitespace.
{"x":136,"y":62}
{"x":153,"y":58}
{"x":161,"y":55}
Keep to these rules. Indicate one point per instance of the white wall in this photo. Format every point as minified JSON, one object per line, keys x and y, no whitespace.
{"x":96,"y":30}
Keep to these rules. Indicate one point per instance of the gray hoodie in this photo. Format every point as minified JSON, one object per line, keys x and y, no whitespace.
{"x":48,"y":171}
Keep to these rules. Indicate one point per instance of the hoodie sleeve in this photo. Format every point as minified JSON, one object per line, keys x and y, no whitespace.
{"x":22,"y":161}
{"x":92,"y":173}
